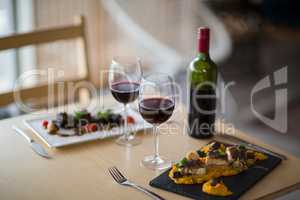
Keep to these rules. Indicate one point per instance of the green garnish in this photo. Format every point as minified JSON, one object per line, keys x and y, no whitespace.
{"x":78,"y":114}
{"x":104,"y":114}
{"x":221,"y":153}
{"x":183,"y":162}
{"x":201,"y":153}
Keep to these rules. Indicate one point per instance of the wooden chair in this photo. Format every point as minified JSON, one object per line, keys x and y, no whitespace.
{"x":75,"y":32}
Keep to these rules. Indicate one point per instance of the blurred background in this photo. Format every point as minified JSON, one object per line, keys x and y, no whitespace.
{"x":251,"y":39}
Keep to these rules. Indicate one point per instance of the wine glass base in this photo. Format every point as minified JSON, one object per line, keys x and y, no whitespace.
{"x":128,"y":141}
{"x":156,"y":163}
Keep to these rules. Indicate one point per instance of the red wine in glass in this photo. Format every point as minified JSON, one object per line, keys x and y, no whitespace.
{"x":156,"y":105}
{"x":156,"y":110}
{"x":125,"y":91}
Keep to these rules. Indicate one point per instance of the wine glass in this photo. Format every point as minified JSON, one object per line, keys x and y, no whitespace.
{"x":124,"y":82}
{"x":156,"y":105}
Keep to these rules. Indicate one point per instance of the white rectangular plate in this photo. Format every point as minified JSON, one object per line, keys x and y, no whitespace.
{"x":58,"y":141}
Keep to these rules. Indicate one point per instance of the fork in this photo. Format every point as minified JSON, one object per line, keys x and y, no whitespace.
{"x":119,"y":178}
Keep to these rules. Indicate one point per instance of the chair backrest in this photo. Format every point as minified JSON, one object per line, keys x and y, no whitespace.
{"x":75,"y":31}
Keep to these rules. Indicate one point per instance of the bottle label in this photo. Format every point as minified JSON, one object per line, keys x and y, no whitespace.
{"x":202,"y":107}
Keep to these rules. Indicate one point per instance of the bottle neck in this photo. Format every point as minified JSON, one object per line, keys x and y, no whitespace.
{"x":203,"y":45}
{"x":203,"y":55}
{"x":203,"y":42}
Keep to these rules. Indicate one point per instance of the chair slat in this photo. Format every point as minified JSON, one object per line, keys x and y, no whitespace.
{"x":41,"y":36}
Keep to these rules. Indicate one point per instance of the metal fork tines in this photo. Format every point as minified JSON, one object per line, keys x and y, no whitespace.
{"x":119,"y":178}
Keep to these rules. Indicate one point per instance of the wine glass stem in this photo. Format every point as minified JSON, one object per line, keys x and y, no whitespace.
{"x":156,"y":141}
{"x":126,"y":132}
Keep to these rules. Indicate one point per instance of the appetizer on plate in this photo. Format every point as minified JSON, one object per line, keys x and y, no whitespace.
{"x":82,"y":122}
{"x":211,"y":162}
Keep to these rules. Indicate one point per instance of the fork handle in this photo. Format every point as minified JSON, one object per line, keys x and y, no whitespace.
{"x":148,"y":192}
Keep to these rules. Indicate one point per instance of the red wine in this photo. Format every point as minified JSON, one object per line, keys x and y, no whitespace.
{"x":156,"y":110}
{"x":202,"y":84}
{"x":125,"y":91}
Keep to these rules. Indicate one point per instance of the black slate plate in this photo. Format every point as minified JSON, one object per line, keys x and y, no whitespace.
{"x":238,"y":184}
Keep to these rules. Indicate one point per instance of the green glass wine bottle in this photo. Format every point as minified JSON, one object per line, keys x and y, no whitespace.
{"x":202,"y":80}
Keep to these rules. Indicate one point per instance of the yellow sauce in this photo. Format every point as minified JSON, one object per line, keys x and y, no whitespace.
{"x":260,"y":156}
{"x":218,"y":190}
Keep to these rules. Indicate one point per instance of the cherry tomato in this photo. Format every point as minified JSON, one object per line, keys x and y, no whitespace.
{"x":92,"y":127}
{"x":45,"y":123}
{"x":130,"y":120}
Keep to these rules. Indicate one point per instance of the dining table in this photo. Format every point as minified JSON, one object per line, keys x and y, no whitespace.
{"x":80,"y":171}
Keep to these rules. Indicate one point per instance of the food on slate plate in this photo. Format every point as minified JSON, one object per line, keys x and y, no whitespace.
{"x":216,"y":187}
{"x":213,"y":161}
{"x":83,"y":122}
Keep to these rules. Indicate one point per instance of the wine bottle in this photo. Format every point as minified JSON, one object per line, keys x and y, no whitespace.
{"x":202,"y":80}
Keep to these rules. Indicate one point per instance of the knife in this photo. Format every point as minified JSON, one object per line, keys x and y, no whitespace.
{"x":36,"y":147}
{"x":252,"y":146}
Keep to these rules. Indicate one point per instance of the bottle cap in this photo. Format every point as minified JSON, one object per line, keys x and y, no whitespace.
{"x":203,"y":39}
{"x":203,"y":32}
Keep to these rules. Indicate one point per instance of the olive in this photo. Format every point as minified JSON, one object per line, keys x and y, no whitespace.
{"x":214,"y":182}
{"x":177,"y":175}
{"x":215,"y":145}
